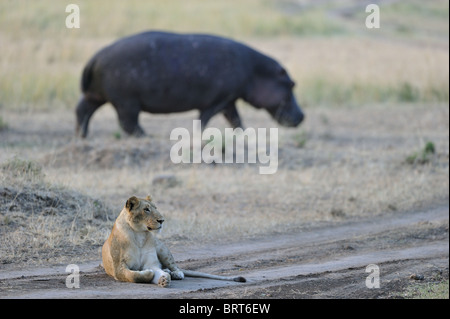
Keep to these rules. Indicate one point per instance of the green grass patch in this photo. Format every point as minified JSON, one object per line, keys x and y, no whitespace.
{"x":3,"y":124}
{"x":422,"y":157}
{"x":438,"y":290}
{"x":325,"y":91}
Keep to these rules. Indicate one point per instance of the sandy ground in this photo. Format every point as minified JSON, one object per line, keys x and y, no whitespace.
{"x":320,"y":262}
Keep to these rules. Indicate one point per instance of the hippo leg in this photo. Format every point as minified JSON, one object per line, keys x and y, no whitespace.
{"x":207,"y":114}
{"x":128,"y":114}
{"x":232,"y":116}
{"x":85,"y":108}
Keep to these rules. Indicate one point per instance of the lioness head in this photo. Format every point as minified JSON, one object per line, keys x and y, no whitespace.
{"x":143,"y":214}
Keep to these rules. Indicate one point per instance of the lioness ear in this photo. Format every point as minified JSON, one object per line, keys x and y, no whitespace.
{"x":132,"y":202}
{"x":149,"y":198}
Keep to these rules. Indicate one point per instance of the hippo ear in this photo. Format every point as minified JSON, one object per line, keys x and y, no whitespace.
{"x":291,"y":84}
{"x":283,"y":76}
{"x":149,"y":198}
{"x":282,"y":72}
{"x":132,"y":203}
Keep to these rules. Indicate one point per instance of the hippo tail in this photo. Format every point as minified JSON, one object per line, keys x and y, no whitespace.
{"x":86,"y":77}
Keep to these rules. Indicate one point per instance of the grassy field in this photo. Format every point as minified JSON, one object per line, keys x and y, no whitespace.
{"x":375,"y":140}
{"x":349,"y":65}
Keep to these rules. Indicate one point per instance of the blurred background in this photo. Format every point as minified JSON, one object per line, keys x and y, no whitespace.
{"x":334,"y":59}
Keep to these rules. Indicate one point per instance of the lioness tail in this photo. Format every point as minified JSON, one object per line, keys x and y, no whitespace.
{"x":198,"y":274}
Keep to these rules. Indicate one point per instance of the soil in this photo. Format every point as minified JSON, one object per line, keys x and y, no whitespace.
{"x":322,"y":252}
{"x":320,"y":262}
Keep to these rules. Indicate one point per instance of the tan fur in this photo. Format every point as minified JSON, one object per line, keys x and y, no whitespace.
{"x":133,"y":253}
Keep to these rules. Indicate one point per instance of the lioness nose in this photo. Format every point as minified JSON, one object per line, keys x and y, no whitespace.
{"x":160,"y":221}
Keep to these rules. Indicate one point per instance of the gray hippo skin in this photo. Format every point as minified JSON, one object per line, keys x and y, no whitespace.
{"x":161,"y":72}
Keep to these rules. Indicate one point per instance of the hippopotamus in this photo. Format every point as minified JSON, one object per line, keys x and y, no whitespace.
{"x":161,"y":72}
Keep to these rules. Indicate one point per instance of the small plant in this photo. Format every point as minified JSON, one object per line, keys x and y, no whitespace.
{"x":6,"y":221}
{"x":423,"y":156}
{"x":3,"y":124}
{"x":117,"y":135}
{"x":300,"y":139}
{"x":408,"y":93}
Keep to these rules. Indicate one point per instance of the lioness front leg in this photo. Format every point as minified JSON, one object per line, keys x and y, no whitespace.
{"x":142,"y":276}
{"x":167,"y":261}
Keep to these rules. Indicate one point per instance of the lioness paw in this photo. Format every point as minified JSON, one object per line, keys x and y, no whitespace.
{"x":164,"y":281}
{"x":177,"y":275}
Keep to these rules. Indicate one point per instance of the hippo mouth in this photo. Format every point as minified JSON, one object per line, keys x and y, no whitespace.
{"x":289,"y":122}
{"x":287,"y":114}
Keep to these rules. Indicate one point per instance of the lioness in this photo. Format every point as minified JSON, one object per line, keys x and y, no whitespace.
{"x":133,"y":253}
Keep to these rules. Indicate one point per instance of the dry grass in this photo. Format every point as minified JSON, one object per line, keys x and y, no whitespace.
{"x":352,"y":71}
{"x":41,"y":221}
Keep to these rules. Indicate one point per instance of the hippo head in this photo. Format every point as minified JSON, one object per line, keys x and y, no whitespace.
{"x":271,"y":89}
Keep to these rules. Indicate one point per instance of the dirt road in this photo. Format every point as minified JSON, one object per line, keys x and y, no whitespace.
{"x":322,"y":262}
